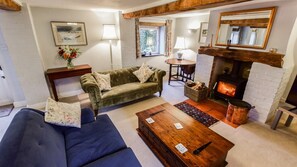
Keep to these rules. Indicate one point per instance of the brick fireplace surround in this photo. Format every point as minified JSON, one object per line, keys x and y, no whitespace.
{"x":265,"y":87}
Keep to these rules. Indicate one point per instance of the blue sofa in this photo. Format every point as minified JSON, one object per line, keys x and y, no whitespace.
{"x":29,"y":141}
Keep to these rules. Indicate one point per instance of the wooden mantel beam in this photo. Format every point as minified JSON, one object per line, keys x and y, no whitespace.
{"x":273,"y":59}
{"x":9,"y":5}
{"x":179,"y":6}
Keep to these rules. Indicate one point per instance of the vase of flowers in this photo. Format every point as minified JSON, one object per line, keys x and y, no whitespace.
{"x":67,"y":53}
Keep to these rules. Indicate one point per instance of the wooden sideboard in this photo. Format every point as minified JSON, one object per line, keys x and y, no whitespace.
{"x":64,"y":72}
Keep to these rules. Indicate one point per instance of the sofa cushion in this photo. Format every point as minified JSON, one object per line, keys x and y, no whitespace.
{"x":143,"y":73}
{"x":92,"y":141}
{"x":103,"y":81}
{"x":87,"y":116}
{"x":29,"y":141}
{"x":122,"y":76}
{"x":128,"y":92}
{"x":123,"y":158}
{"x":129,"y":88}
{"x":63,"y":114}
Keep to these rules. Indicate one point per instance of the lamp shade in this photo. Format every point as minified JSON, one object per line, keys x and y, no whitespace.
{"x":109,"y":32}
{"x":180,"y":43}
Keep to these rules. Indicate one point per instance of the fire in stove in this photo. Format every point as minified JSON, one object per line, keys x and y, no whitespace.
{"x":226,"y":88}
{"x":230,"y":86}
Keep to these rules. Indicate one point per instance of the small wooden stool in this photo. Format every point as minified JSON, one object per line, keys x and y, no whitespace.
{"x":292,"y":113}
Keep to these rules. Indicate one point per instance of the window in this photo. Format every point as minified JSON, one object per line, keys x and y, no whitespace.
{"x":152,"y":40}
{"x":149,"y":39}
{"x":235,"y":35}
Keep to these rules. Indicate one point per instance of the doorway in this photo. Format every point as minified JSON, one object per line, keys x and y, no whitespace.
{"x":5,"y":97}
{"x":6,"y":105}
{"x":6,"y":100}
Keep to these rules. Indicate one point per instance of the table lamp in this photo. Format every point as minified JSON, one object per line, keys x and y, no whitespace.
{"x":180,"y":44}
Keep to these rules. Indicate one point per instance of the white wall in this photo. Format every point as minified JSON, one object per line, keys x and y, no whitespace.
{"x":129,"y":46}
{"x":96,"y":53}
{"x":21,"y":45}
{"x":182,"y":26}
{"x":290,"y":61}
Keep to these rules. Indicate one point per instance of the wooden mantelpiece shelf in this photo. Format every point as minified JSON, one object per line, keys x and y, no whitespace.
{"x":273,"y":59}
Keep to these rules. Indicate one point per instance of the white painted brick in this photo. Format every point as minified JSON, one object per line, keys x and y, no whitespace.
{"x":203,"y":68}
{"x":262,"y":89}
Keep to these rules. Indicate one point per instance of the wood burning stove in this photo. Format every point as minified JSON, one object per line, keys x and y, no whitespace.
{"x":230,"y":86}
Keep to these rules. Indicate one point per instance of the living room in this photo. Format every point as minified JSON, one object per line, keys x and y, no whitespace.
{"x":28,"y":50}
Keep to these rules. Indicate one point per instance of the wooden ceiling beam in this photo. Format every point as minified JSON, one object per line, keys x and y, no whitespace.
{"x":179,"y":6}
{"x":9,"y":5}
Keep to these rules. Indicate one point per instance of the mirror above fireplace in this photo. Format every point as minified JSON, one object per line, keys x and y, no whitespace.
{"x":245,"y":28}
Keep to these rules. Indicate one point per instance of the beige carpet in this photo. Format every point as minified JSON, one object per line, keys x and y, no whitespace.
{"x":5,"y":110}
{"x":256,"y":145}
{"x":125,"y":120}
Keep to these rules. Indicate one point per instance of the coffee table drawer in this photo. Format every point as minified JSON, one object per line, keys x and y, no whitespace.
{"x":170,"y":157}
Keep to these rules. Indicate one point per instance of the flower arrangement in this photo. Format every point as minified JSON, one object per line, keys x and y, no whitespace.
{"x":68,"y":53}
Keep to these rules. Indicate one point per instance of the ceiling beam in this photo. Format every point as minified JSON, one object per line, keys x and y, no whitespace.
{"x":9,"y":5}
{"x":179,"y":6}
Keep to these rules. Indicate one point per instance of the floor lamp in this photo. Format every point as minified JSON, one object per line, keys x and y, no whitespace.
{"x":109,"y":33}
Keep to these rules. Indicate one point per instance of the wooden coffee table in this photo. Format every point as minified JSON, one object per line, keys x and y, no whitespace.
{"x":162,"y":137}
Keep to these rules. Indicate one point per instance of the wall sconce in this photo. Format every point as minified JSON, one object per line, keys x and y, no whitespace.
{"x":192,"y":30}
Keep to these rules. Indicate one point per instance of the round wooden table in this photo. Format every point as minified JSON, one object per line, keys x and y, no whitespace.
{"x":177,"y":63}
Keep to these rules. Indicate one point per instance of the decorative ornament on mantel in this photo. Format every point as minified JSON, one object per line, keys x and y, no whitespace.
{"x":67,"y":53}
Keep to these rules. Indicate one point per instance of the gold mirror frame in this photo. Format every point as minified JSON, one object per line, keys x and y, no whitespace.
{"x":269,"y":26}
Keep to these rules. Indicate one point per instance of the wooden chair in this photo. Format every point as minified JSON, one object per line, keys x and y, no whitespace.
{"x":291,"y":99}
{"x":292,"y":113}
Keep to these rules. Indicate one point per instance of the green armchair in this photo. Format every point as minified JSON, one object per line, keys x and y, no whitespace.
{"x":125,"y":87}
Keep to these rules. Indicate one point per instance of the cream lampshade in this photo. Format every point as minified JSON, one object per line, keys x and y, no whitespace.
{"x":180,"y":44}
{"x":109,"y":33}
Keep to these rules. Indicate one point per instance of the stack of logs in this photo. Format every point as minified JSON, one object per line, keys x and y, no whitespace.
{"x":196,"y":85}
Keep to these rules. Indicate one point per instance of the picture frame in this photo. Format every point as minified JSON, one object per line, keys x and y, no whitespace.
{"x":203,"y":32}
{"x":69,"y":33}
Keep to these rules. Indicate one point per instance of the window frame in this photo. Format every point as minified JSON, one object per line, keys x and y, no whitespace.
{"x":158,"y":27}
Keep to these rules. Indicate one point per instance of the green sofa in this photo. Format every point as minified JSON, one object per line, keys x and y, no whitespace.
{"x":125,"y":87}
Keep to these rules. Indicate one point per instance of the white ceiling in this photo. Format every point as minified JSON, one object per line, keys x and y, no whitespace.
{"x":127,"y":5}
{"x":122,"y":5}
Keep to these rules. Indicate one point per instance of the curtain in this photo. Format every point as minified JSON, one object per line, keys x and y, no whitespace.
{"x":168,"y":37}
{"x":137,"y":36}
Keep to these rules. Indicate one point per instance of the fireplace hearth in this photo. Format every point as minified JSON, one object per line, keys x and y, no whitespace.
{"x":266,"y":79}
